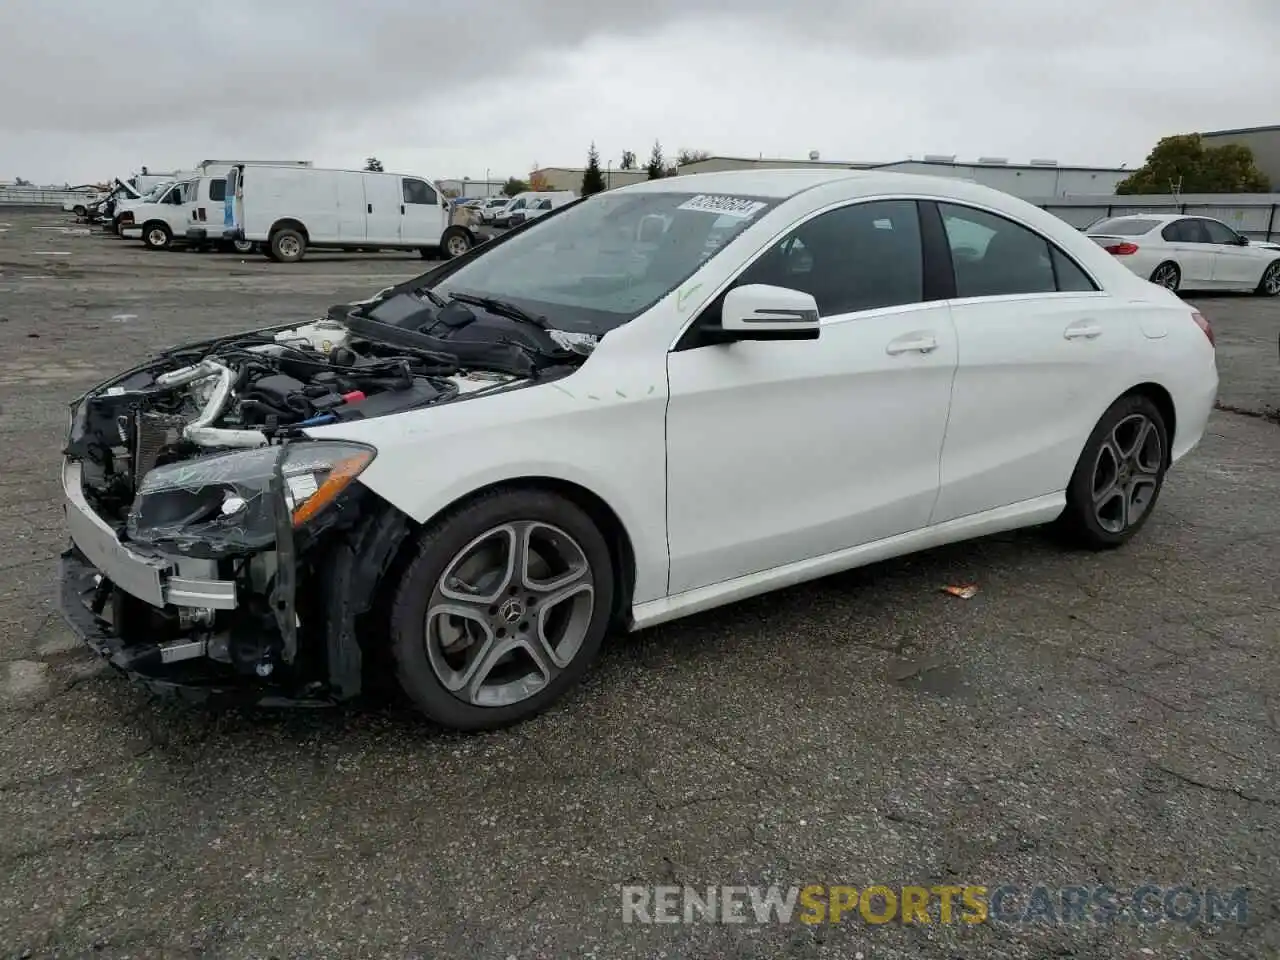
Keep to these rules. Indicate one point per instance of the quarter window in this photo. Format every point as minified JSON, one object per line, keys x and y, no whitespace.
{"x":417,"y":191}
{"x":860,"y":257}
{"x":1071,"y":279}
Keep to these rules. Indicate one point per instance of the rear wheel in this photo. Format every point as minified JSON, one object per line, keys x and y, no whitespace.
{"x":242,"y":246}
{"x":287,"y":245}
{"x":157,"y":236}
{"x":1269,"y":285}
{"x":1167,"y":275}
{"x":78,"y":210}
{"x":1119,"y":475}
{"x":502,"y":609}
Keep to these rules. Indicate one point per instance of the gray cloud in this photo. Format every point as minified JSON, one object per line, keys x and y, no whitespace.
{"x":84,"y":83}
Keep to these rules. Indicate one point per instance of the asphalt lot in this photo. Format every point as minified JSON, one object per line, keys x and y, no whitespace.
{"x":1083,"y":720}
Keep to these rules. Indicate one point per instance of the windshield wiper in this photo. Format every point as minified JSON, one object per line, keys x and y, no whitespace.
{"x":503,"y":308}
{"x":434,"y":297}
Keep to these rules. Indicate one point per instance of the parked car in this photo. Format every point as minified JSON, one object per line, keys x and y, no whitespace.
{"x":292,"y":209}
{"x":608,"y":419}
{"x":490,"y":208}
{"x":81,"y":201}
{"x":1190,"y":253}
{"x":539,"y":204}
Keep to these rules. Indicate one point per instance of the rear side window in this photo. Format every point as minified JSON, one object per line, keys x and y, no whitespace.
{"x":995,"y":257}
{"x":217,"y":190}
{"x":1125,"y":227}
{"x":418,"y":191}
{"x":1071,"y":279}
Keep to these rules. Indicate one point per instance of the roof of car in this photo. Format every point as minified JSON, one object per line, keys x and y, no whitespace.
{"x":784,"y":184}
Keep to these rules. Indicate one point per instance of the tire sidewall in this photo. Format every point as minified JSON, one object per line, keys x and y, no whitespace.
{"x":439,"y":545}
{"x":275,"y":245}
{"x":146,"y":236}
{"x":1262,"y":284}
{"x":1079,"y":514}
{"x":1177,"y":275}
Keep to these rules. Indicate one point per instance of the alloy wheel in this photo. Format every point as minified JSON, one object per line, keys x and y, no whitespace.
{"x":1126,"y":473}
{"x":509,"y":613}
{"x":1166,"y":275}
{"x":1271,"y":280}
{"x":457,"y":246}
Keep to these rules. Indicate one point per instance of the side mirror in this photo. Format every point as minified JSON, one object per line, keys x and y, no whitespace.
{"x":1242,"y":240}
{"x":760,"y":311}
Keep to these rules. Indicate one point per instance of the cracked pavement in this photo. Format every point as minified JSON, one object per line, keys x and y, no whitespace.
{"x":1085,"y":719}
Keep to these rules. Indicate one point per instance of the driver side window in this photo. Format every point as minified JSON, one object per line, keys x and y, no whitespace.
{"x":861,"y":257}
{"x":1219,"y":232}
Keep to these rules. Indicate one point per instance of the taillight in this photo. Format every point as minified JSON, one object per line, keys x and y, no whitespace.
{"x":1205,"y":326}
{"x":1122,"y":249}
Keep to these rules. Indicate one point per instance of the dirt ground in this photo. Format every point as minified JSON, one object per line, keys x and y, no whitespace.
{"x":1083,"y":721}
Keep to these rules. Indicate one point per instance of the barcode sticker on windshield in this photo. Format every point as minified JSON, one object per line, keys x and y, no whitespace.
{"x":724,"y":206}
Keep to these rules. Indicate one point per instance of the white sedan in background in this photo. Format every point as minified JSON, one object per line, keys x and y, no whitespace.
{"x":664,"y":398}
{"x":1190,"y":253}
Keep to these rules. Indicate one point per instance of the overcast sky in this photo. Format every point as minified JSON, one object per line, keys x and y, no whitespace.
{"x":445,"y":88}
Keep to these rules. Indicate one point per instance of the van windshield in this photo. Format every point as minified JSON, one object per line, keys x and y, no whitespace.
{"x":601,"y":262}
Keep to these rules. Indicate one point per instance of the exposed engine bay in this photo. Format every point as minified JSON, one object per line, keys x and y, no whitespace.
{"x":197,"y":466}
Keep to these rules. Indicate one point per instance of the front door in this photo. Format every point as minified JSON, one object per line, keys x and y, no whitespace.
{"x":1235,"y":264}
{"x":1042,"y":355}
{"x":422,"y":216}
{"x":786,"y":450}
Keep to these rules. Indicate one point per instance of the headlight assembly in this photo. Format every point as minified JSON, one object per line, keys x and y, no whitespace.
{"x":229,"y":503}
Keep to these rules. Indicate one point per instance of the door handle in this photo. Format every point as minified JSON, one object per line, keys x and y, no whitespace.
{"x":916,"y":344}
{"x":402,"y":209}
{"x":370,"y":206}
{"x":1082,"y":331}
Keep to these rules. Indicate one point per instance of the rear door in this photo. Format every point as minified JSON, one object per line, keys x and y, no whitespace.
{"x":422,"y":216}
{"x":1193,"y":250}
{"x":383,"y":200}
{"x":1042,"y":353}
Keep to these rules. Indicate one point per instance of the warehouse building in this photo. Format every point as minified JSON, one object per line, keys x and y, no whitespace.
{"x":1263,"y":141}
{"x":1038,"y":178}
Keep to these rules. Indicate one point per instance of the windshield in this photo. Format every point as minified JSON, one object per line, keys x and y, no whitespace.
{"x":154,"y":193}
{"x":602,"y":262}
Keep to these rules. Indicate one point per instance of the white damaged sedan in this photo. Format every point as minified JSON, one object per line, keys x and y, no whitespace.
{"x":651,"y":402}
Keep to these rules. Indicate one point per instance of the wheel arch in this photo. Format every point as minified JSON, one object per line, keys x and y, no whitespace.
{"x":290,"y":223}
{"x":1163,"y":400}
{"x":617,"y":537}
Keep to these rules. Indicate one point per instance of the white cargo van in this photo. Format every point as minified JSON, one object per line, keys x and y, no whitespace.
{"x":292,"y":209}
{"x":162,"y":217}
{"x":531,"y":204}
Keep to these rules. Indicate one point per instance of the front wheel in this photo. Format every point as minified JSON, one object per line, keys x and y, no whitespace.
{"x":455,"y":242}
{"x":1119,"y":475}
{"x":1269,"y":285}
{"x":157,"y":236}
{"x":502,"y":609}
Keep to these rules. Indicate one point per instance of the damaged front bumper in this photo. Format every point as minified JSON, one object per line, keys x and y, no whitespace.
{"x":272,"y":622}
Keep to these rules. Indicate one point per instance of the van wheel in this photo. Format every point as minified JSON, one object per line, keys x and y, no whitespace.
{"x":78,"y":210}
{"x":455,"y":242}
{"x":157,"y":236}
{"x":288,"y":245}
{"x":242,"y":246}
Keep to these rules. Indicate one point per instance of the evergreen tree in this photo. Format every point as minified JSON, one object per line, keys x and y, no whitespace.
{"x":657,"y":165}
{"x":592,"y":178}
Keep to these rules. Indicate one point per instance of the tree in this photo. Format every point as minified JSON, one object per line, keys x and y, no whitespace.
{"x":691,"y":156}
{"x":19,"y":182}
{"x":373,"y":164}
{"x":514,"y":186}
{"x":1184,"y":163}
{"x":592,"y":178}
{"x":628,"y":161}
{"x":657,"y":166}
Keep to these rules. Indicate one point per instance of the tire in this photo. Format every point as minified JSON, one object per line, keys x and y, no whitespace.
{"x":157,"y":235}
{"x":455,"y":242}
{"x":434,"y":650}
{"x":288,"y":245}
{"x":78,"y":210}
{"x":1269,"y":285}
{"x":1121,"y":439}
{"x":243,"y":246}
{"x":430,"y":253}
{"x":1167,"y":275}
